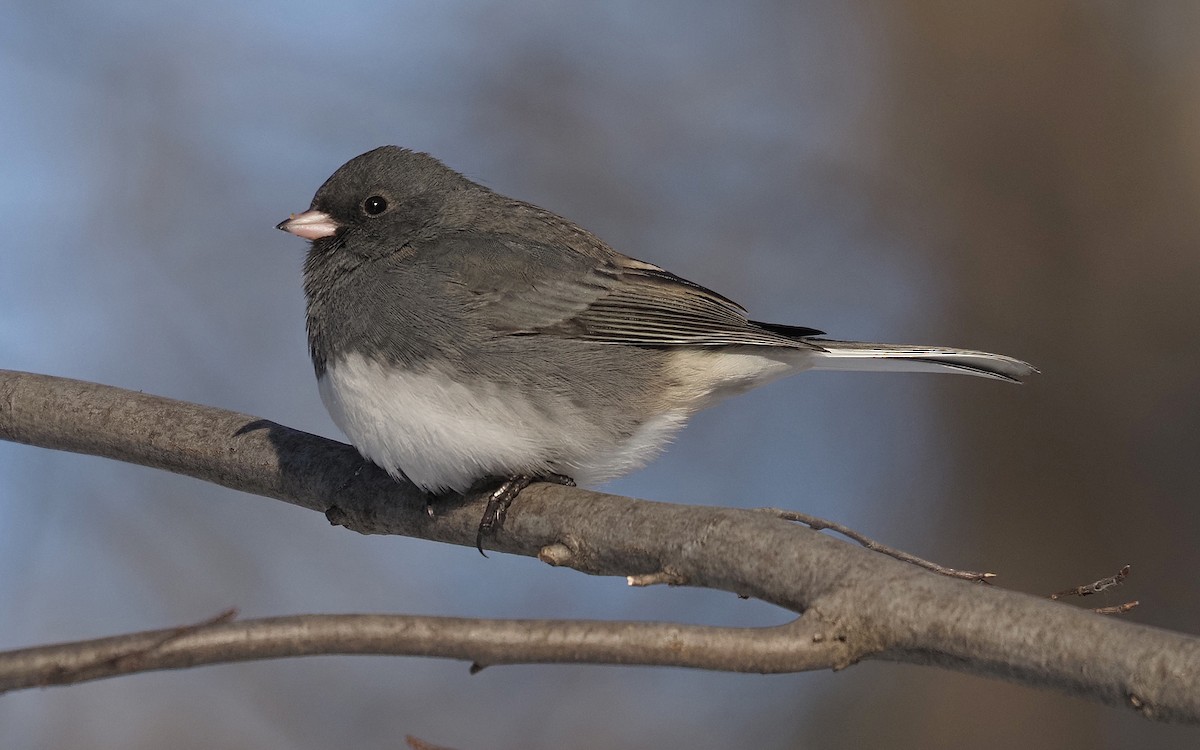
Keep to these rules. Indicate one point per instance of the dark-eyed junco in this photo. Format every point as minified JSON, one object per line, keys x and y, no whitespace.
{"x":460,"y":336}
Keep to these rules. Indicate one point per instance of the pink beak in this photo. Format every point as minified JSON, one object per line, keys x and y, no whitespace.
{"x":311,"y":225}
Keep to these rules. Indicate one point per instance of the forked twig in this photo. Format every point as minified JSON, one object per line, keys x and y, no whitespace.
{"x":1096,"y":587}
{"x":173,"y":634}
{"x":820,"y":524}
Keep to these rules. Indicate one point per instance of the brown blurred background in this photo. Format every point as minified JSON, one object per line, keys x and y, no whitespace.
{"x":1020,"y":177}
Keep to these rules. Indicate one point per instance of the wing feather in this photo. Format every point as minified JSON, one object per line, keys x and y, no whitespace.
{"x":527,"y":288}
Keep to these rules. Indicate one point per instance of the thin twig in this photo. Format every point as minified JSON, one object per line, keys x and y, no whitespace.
{"x":820,"y":524}
{"x":228,"y":615}
{"x":1119,"y":609}
{"x":1095,"y":587}
{"x":804,"y":644}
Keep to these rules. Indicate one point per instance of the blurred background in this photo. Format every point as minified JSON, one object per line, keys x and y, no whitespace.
{"x":1020,"y":177}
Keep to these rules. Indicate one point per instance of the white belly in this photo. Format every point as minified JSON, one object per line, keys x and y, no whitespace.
{"x":443,"y":434}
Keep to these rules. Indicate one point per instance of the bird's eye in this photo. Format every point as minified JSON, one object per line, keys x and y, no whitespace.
{"x":375,"y":205}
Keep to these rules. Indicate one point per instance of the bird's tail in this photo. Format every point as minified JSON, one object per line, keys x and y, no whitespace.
{"x":860,"y":355}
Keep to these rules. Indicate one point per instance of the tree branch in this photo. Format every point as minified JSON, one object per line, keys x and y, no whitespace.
{"x":793,"y":647}
{"x":855,"y":604}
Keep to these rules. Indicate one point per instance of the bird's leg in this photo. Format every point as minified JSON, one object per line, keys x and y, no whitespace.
{"x":497,"y":507}
{"x":500,"y":498}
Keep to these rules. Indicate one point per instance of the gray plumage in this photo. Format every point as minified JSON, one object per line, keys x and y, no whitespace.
{"x":455,"y":316}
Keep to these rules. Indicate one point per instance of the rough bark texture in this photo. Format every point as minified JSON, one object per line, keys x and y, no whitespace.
{"x":854,"y":604}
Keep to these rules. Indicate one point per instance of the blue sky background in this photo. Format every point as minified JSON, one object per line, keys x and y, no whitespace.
{"x":867,"y":169}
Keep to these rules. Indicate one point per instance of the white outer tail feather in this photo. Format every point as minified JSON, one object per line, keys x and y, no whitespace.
{"x":861,"y":355}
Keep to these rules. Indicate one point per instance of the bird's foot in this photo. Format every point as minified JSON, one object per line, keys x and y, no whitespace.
{"x":502,"y":496}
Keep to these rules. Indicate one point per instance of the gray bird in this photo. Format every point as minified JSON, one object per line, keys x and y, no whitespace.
{"x":462,"y":337}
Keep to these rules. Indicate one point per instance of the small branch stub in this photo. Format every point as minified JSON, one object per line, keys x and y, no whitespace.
{"x":667,"y":575}
{"x":556,"y":554}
